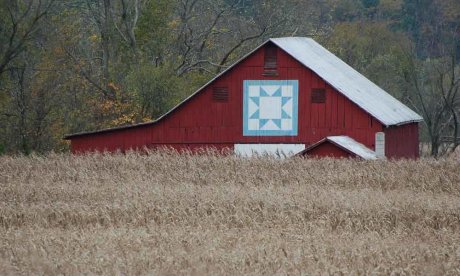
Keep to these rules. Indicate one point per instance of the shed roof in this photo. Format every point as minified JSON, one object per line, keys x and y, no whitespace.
{"x":360,"y":90}
{"x":371,"y":98}
{"x":348,"y":144}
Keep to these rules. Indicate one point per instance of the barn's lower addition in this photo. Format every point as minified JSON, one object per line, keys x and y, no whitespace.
{"x":330,"y":146}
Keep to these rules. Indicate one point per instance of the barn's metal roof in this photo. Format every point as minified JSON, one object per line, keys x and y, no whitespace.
{"x":353,"y":146}
{"x":348,"y":144}
{"x":363,"y":92}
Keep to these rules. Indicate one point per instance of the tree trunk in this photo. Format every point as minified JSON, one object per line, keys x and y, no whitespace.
{"x":105,"y":41}
{"x":434,"y":146}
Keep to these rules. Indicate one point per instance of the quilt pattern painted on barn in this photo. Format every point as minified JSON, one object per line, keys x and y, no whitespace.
{"x":270,"y":107}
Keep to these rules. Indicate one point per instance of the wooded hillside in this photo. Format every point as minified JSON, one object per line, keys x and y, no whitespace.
{"x":77,"y":65}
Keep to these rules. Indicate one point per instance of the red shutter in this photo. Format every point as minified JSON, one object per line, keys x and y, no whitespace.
{"x":270,"y":60}
{"x":220,"y":94}
{"x":318,"y":95}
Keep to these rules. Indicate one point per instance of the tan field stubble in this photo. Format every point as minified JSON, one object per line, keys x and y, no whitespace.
{"x":163,"y":213}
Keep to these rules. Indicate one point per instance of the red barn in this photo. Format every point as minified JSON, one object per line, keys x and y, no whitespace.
{"x":286,"y":95}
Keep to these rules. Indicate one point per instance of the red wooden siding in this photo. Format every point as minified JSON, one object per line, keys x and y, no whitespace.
{"x":328,"y":149}
{"x":204,"y":121}
{"x":402,"y":141}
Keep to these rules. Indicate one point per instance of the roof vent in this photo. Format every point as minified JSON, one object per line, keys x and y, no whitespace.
{"x":220,"y":94}
{"x":318,"y":95}
{"x":270,"y":60}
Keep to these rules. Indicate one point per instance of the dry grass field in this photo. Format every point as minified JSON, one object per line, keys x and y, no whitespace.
{"x":166,"y":214}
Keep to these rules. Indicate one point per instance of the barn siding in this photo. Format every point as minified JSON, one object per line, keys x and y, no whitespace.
{"x":402,"y":141}
{"x":202,"y":121}
{"x":327,"y":149}
{"x":217,"y":122}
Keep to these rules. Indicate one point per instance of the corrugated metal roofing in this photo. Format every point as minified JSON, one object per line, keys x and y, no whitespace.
{"x":348,"y":81}
{"x":353,"y":146}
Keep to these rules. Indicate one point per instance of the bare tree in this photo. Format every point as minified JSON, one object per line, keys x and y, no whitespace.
{"x":125,"y":20}
{"x":211,"y":33}
{"x":449,"y":82}
{"x":24,"y":18}
{"x":435,"y":94}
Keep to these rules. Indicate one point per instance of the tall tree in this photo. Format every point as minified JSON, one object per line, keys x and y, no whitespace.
{"x":19,"y":19}
{"x":434,"y":91}
{"x":211,"y":33}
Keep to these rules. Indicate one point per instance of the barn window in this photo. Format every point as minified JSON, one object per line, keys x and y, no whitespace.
{"x":220,"y":94}
{"x":270,"y":60}
{"x":318,"y":95}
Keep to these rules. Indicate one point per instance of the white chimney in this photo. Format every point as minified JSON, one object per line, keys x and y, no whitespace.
{"x":380,"y":144}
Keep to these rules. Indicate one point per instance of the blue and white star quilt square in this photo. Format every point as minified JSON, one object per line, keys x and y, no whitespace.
{"x":270,"y":107}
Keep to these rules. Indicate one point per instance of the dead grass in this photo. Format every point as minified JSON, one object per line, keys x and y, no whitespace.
{"x":168,"y":214}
